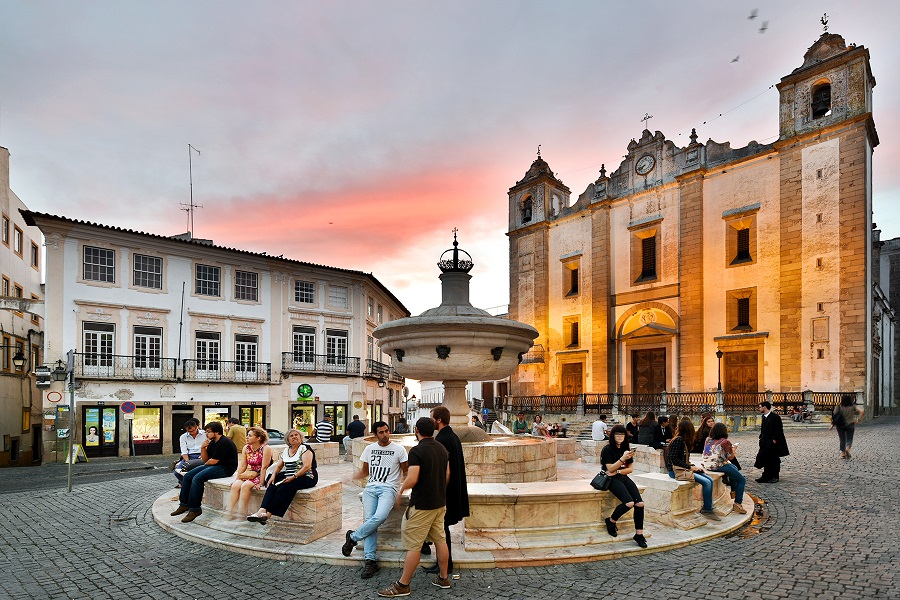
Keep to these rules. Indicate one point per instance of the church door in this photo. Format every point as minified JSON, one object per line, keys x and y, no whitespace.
{"x":741,"y":372}
{"x":571,"y":379}
{"x":648,"y":368}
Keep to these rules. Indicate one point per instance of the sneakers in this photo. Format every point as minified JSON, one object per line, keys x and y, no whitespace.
{"x":179,"y":511}
{"x":192,"y":514}
{"x":441,"y":582}
{"x":710,"y":515}
{"x":349,"y":545}
{"x":640,"y":540}
{"x":739,"y":508}
{"x":395,"y":590}
{"x":611,"y":528}
{"x":370,"y":569}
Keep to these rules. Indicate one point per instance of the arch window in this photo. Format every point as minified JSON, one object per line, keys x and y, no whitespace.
{"x":527,"y":205}
{"x":821,"y":100}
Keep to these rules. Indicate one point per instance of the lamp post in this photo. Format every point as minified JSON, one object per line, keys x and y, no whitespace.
{"x":719,"y":354}
{"x":66,"y":372}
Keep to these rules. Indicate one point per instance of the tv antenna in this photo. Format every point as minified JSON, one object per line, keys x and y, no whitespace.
{"x":189,"y":208}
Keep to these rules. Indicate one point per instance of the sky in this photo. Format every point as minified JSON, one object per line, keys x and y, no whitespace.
{"x":358,"y":134}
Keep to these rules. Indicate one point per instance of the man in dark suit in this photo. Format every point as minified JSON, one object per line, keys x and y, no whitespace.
{"x":457,"y":492}
{"x":772,"y":445}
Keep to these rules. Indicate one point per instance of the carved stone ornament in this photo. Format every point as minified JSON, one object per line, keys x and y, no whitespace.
{"x":52,"y":240}
{"x":400,"y":353}
{"x":148,"y":319}
{"x":443,"y":352}
{"x":167,"y":391}
{"x":99,"y":315}
{"x":497,"y":352}
{"x":246,"y":328}
{"x":647,"y":317}
{"x":208,"y":325}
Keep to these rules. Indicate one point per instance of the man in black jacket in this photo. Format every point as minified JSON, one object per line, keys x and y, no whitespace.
{"x":457,"y":492}
{"x":772,"y":444}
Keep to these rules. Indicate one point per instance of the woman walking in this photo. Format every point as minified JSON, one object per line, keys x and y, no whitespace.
{"x":845,"y":417}
{"x":295,"y":470}
{"x":718,"y":453}
{"x":677,"y":456}
{"x":618,"y":462}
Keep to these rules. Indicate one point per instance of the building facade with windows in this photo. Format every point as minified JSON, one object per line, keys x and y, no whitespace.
{"x":20,"y":330}
{"x":761,"y":253}
{"x":183,"y":328}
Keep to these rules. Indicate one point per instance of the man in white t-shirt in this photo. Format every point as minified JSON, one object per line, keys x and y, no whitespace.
{"x":599,"y":429}
{"x":385,"y":464}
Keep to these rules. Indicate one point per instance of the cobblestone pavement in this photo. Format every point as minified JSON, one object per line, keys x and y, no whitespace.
{"x":827,"y":530}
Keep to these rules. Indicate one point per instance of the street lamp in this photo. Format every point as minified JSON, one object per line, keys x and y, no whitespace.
{"x":59,"y":373}
{"x":19,"y":360}
{"x":719,"y":354}
{"x":381,"y":383}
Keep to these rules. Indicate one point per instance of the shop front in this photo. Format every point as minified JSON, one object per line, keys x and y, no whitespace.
{"x":252,"y":415}
{"x":216,"y":413}
{"x":100,"y":430}
{"x":303,"y":418}
{"x":146,"y":430}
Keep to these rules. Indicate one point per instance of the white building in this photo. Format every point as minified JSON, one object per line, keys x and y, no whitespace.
{"x":184,"y":328}
{"x":20,"y":331}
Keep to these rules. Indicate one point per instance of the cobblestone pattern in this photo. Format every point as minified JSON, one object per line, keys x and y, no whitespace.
{"x":827,"y":530}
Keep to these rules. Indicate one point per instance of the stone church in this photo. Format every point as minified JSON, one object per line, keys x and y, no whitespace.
{"x":691,"y":267}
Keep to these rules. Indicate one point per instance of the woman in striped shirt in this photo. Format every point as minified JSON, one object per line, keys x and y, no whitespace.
{"x":295,"y":470}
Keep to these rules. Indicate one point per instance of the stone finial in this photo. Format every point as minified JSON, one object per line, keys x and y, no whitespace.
{"x":693,"y":135}
{"x":602,"y":170}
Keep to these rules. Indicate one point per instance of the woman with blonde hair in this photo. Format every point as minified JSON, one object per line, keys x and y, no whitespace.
{"x":295,"y":470}
{"x":255,"y":458}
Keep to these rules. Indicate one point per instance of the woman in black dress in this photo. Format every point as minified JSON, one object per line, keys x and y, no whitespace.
{"x":618,"y":462}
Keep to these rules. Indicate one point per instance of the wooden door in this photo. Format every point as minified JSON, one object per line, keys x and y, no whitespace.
{"x":648,"y":371}
{"x":572,"y":379}
{"x":741,"y":371}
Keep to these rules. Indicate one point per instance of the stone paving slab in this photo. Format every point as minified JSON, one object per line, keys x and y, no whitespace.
{"x":826,"y":532}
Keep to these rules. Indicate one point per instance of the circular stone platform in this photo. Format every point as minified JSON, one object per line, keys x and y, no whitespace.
{"x":328,"y":549}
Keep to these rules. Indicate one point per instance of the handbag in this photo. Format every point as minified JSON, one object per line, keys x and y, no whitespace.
{"x":601,"y":481}
{"x":837,"y":417}
{"x":682,"y":474}
{"x":248,"y":475}
{"x":191,"y":464}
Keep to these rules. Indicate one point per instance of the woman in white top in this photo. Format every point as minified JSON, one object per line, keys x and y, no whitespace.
{"x":295,"y":470}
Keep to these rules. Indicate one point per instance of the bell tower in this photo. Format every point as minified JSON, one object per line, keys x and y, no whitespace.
{"x":537,"y":197}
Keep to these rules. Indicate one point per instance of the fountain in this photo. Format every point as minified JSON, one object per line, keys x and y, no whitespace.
{"x":456,"y":342}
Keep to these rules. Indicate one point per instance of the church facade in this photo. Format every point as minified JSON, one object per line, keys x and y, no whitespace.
{"x":691,"y":267}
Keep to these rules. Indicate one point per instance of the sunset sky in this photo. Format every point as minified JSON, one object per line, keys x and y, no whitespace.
{"x":359,"y":134}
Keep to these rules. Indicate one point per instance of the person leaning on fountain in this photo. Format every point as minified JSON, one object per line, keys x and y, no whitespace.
{"x":618,"y":461}
{"x":383,"y":463}
{"x":520,"y":426}
{"x":220,"y":458}
{"x":427,"y":477}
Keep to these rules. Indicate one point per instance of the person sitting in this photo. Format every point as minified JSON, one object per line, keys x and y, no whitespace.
{"x":190,"y":442}
{"x":477,"y":423}
{"x":254,"y":460}
{"x":632,"y":429}
{"x":355,"y":429}
{"x":661,"y":433}
{"x":520,"y":426}
{"x":646,"y":427}
{"x":678,"y":454}
{"x":538,"y":428}
{"x":706,"y":424}
{"x":295,"y":470}
{"x":718,"y":453}
{"x":618,"y":461}
{"x":599,"y":429}
{"x":219,"y":456}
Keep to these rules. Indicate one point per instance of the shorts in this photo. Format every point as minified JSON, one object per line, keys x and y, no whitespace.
{"x":420,"y":525}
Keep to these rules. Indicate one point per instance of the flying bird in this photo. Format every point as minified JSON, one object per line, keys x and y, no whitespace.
{"x":736,"y":58}
{"x":753,"y":14}
{"x":765,"y":25}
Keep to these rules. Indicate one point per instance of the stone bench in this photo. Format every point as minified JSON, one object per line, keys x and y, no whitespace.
{"x":327,"y":453}
{"x":648,"y":459}
{"x":674,"y":503}
{"x":590,"y":450}
{"x":314,"y":513}
{"x":567,"y":448}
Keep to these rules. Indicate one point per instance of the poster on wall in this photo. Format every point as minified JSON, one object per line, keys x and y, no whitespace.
{"x":92,"y":427}
{"x":109,"y":426}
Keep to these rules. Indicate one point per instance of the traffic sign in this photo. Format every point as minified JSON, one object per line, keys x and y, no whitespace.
{"x":485,"y":411}
{"x":128,"y":407}
{"x":129,"y":416}
{"x":54,"y":396}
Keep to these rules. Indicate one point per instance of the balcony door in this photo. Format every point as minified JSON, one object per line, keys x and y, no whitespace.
{"x":304,"y":347}
{"x":147,"y":352}
{"x":99,"y":347}
{"x":208,"y":355}
{"x":336,"y":350}
{"x":245,"y":356}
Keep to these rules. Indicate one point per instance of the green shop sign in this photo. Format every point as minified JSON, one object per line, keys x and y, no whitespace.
{"x":305,"y":391}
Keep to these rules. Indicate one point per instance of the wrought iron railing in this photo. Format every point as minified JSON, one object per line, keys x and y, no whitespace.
{"x":301,"y":362}
{"x":639,"y":404}
{"x":226,"y":371}
{"x":114,"y":366}
{"x":743,"y":402}
{"x":535,"y":355}
{"x":691,"y":403}
{"x":380,"y":370}
{"x":601,"y":404}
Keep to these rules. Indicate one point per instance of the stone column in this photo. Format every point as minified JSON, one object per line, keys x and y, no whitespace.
{"x":455,"y":401}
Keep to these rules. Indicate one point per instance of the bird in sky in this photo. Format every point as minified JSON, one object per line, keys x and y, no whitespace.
{"x":736,"y":58}
{"x":765,"y":25}
{"x":753,"y":14}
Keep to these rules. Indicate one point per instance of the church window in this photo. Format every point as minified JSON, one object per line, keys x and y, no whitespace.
{"x":570,"y":332}
{"x":821,"y":100}
{"x":570,"y":278}
{"x":648,"y":259}
{"x":743,"y":247}
{"x":740,"y":240}
{"x":527,"y":209}
{"x":741,"y":310}
{"x":645,"y":254}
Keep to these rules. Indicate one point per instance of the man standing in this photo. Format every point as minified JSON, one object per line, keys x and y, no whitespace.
{"x":457,"y":492}
{"x":599,"y":428}
{"x":220,"y":459}
{"x":237,"y":433}
{"x":324,"y":429}
{"x":429,"y":472}
{"x":520,"y":427}
{"x":355,"y":429}
{"x":383,"y":463}
{"x":190,"y":441}
{"x":772,"y":444}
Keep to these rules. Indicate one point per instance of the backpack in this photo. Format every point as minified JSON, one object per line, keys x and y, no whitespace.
{"x":837,"y":417}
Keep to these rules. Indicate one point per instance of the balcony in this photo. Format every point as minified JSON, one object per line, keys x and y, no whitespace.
{"x":535,"y":355}
{"x":226,"y":371}
{"x":380,"y":370}
{"x":114,"y":366}
{"x":330,"y":364}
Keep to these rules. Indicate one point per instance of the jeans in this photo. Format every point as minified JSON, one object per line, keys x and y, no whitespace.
{"x":192,"y":485}
{"x":845,"y":435}
{"x":738,"y":481}
{"x":706,"y":483}
{"x":378,"y":500}
{"x":191,"y":456}
{"x":624,"y":489}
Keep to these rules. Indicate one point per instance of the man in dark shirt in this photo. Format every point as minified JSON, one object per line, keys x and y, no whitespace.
{"x":220,"y":458}
{"x":427,"y":477}
{"x":632,"y":430}
{"x":355,"y":429}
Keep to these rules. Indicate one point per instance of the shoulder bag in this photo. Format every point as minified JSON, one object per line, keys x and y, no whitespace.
{"x":837,"y":417}
{"x":601,"y":481}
